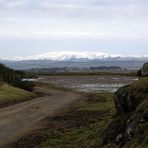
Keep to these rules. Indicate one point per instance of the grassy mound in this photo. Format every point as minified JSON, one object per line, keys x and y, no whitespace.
{"x":12,"y":95}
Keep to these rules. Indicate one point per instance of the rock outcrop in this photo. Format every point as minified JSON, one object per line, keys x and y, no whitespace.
{"x":123,"y":102}
{"x":129,"y":127}
{"x":144,"y":70}
{"x":127,"y":98}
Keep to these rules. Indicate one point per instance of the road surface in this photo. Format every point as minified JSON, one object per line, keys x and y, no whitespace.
{"x":21,"y":119}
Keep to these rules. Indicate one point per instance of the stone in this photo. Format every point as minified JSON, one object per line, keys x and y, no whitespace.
{"x":119,"y":138}
{"x":144,"y":70}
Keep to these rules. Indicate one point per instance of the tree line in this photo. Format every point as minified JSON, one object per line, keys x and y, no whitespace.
{"x":14,"y":78}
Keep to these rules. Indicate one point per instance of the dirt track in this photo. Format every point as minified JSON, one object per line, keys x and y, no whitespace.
{"x":20,"y":119}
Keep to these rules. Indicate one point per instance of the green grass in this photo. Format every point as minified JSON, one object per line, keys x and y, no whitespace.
{"x":81,"y":125}
{"x":88,"y":119}
{"x":12,"y":95}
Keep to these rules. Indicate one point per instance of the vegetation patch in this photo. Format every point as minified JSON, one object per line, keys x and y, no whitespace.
{"x":11,"y":95}
{"x":14,"y":78}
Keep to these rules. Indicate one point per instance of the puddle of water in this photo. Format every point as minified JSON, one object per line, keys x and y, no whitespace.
{"x":35,"y":80}
{"x":96,"y":87}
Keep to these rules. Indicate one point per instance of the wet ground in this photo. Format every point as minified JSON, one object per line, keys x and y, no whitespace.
{"x":90,"y":83}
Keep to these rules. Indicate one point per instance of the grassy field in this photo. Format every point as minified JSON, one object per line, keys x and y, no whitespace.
{"x":11,"y":95}
{"x":81,"y":125}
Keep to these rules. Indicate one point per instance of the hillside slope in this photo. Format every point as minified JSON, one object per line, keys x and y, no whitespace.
{"x":12,"y":95}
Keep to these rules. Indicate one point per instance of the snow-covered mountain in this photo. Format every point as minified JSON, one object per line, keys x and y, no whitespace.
{"x":65,"y":56}
{"x":75,"y":59}
{"x":78,"y":56}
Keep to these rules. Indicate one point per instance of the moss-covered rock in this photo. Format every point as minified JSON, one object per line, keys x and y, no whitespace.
{"x":127,"y":98}
{"x":144,"y":70}
{"x":129,"y":127}
{"x":122,"y":99}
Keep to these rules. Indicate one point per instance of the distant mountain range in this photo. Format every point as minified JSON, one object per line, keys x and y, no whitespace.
{"x":75,"y":59}
{"x":78,"y":56}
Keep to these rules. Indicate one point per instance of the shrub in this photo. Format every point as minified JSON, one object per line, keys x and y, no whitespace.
{"x":27,"y":85}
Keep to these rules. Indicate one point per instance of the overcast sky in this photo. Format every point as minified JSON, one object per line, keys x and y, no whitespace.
{"x":30,"y":27}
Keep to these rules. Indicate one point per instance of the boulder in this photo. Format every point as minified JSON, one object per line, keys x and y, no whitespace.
{"x":127,"y":98}
{"x":144,"y":70}
{"x":119,"y":138}
{"x":124,"y":100}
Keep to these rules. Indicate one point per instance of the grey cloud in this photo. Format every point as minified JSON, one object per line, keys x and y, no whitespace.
{"x":109,"y":20}
{"x":64,"y":3}
{"x":75,"y":8}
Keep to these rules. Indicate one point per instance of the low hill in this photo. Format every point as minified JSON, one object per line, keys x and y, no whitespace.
{"x":36,"y":64}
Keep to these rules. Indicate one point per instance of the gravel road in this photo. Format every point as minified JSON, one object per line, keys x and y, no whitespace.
{"x":21,"y":119}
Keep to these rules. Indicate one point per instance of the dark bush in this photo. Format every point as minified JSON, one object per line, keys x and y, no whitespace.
{"x":27,"y":85}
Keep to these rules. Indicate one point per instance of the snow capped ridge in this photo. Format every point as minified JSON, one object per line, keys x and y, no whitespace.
{"x":65,"y":56}
{"x":75,"y":56}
